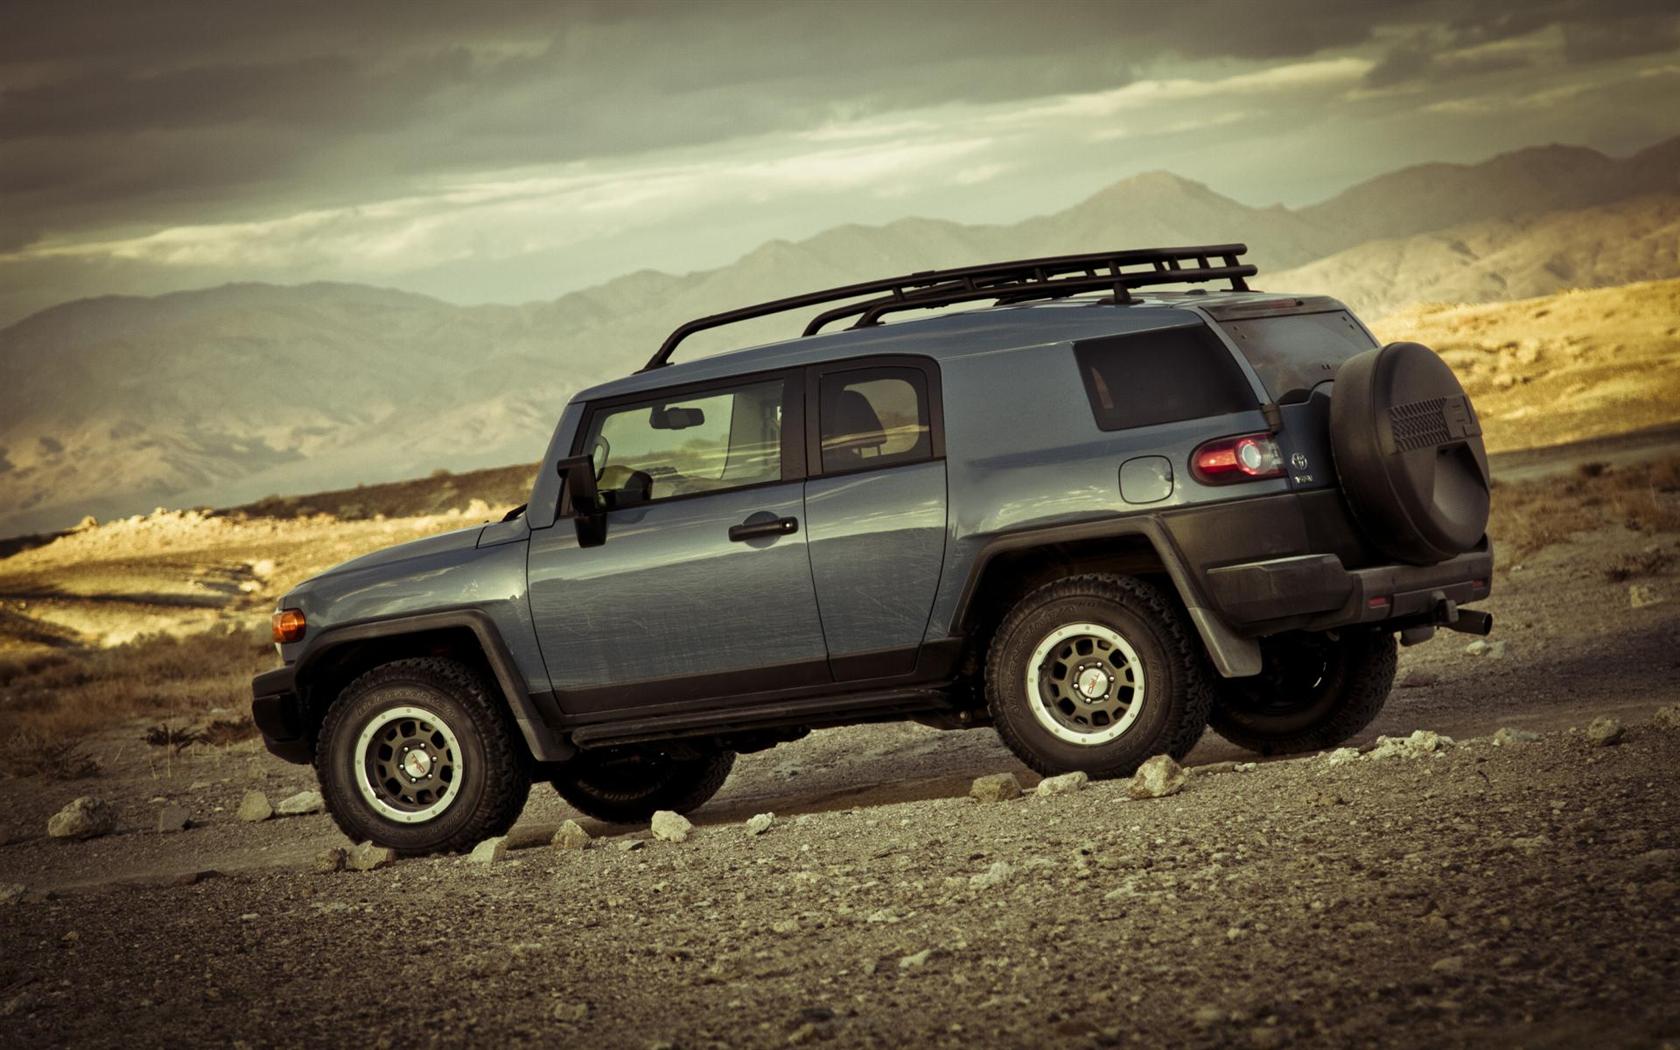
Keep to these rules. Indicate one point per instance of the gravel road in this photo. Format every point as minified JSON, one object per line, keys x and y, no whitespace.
{"x":1520,"y":894}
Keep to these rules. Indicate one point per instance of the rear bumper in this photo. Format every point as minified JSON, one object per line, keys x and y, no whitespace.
{"x":277,"y":711}
{"x":1315,"y":592}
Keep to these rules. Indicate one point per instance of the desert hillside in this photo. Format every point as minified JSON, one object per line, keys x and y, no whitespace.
{"x":1563,"y":367}
{"x":226,"y":395}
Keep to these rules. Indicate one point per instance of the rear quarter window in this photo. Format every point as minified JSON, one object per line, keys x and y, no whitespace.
{"x":1294,"y":353}
{"x":1146,"y":378}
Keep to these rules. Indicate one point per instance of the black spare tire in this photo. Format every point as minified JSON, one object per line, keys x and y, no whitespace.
{"x":1409,"y":454}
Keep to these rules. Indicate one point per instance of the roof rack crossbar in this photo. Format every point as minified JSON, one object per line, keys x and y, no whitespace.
{"x":1015,"y":281}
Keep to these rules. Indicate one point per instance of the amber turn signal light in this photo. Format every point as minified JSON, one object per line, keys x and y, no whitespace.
{"x":288,"y":625}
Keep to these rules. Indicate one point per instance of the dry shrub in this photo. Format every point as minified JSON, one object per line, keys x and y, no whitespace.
{"x":1529,"y":516}
{"x":61,"y":697}
{"x":29,"y":752}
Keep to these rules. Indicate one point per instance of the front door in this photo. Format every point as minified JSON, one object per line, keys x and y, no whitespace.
{"x":702,"y":588}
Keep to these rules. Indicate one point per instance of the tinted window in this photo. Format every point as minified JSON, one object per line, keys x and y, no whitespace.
{"x":875,"y":417}
{"x":1161,"y":377}
{"x":1293,"y":354}
{"x":681,"y":446}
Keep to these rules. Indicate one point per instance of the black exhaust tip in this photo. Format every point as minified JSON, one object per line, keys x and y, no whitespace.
{"x":1472,"y":621}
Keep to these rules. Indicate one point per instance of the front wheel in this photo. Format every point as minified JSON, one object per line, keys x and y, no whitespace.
{"x":417,"y":756}
{"x":1314,"y":691}
{"x":1096,"y":673}
{"x":629,"y":786}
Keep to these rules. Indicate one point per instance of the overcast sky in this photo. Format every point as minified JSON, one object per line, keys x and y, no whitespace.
{"x":508,"y":152}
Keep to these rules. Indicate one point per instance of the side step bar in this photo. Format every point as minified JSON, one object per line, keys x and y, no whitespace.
{"x":814,"y":713}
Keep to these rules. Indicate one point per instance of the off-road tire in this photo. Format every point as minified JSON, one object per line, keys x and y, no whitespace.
{"x":640,"y":784}
{"x":495,"y":777}
{"x":1260,"y":714}
{"x":1176,"y":698}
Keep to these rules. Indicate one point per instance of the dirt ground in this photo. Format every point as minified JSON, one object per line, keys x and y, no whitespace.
{"x":1522,"y":894}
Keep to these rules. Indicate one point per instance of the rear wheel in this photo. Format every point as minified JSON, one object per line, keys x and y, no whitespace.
{"x":628,"y":787}
{"x":1314,"y":691}
{"x":417,"y":755}
{"x":1096,"y":673}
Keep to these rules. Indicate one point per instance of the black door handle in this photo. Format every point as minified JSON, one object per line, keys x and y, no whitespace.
{"x":752,"y":530}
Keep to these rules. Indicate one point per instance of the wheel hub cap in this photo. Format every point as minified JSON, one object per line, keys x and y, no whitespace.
{"x":1085,"y":683}
{"x":1093,"y":683}
{"x":408,"y":764}
{"x":417,"y":764}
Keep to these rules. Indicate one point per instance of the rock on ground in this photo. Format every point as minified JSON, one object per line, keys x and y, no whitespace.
{"x":489,"y":851}
{"x":1341,"y":756}
{"x":1602,"y":732}
{"x":1157,"y":778}
{"x":366,"y":856}
{"x":173,"y":818}
{"x":12,"y":892}
{"x":571,"y":836}
{"x":1667,"y":716}
{"x":759,"y":823}
{"x":998,"y":787}
{"x":301,"y":804}
{"x":255,"y":807}
{"x":995,"y":875}
{"x":332,"y":859}
{"x":1422,"y":742}
{"x":1506,"y":735}
{"x":85,"y":818}
{"x":1066,"y":784}
{"x":1641,"y":595}
{"x":1482,"y":647}
{"x":670,"y":827}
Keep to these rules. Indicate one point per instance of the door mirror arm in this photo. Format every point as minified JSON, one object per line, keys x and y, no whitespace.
{"x":580,"y":499}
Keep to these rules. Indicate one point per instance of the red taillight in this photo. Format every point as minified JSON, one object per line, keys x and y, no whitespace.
{"x":1245,"y":458}
{"x":288,"y":625}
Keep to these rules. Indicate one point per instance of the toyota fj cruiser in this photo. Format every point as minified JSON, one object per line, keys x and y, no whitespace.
{"x":1096,"y":519}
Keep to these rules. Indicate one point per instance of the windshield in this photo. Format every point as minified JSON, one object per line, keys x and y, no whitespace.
{"x":1294,"y":353}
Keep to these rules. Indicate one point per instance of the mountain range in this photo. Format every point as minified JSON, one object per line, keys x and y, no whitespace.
{"x":111,"y":405}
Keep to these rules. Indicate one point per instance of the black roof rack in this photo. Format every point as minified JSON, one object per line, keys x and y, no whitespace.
{"x":1006,"y":282}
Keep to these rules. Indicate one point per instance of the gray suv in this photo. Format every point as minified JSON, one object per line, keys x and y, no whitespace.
{"x":1092,"y":513}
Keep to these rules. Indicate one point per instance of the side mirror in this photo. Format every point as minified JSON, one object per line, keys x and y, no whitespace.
{"x":582,"y":501}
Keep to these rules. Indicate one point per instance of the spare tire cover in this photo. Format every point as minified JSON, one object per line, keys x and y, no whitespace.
{"x":1409,"y":455}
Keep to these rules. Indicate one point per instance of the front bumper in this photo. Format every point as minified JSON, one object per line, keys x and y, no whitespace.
{"x":1315,"y":592}
{"x":277,"y":710}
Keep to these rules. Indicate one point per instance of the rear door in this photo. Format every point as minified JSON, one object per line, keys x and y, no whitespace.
{"x":875,"y":506}
{"x":702,"y":588}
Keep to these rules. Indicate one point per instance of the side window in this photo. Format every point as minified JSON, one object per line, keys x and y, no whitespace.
{"x":707,"y":442}
{"x":874,"y":417}
{"x":1161,"y":377}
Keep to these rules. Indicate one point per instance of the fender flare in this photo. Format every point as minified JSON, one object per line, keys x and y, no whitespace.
{"x":534,"y":724}
{"x":1233,"y":655}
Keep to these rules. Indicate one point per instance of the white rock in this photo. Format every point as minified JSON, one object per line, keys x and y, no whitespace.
{"x":1507,"y":735}
{"x":671,"y":827}
{"x":759,"y":823}
{"x":368,"y":857}
{"x":255,"y":807}
{"x":1667,"y":716}
{"x":1341,"y":756}
{"x":85,"y":818}
{"x":1604,"y":731}
{"x":995,"y":875}
{"x":301,"y":804}
{"x":1641,"y":595}
{"x":1066,"y":784}
{"x":915,"y":961}
{"x":571,"y":836}
{"x":173,"y":818}
{"x":489,"y":851}
{"x":998,"y":787}
{"x":1157,"y":778}
{"x":1422,"y":742}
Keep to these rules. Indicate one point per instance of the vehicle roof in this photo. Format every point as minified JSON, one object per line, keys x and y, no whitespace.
{"x":947,"y":336}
